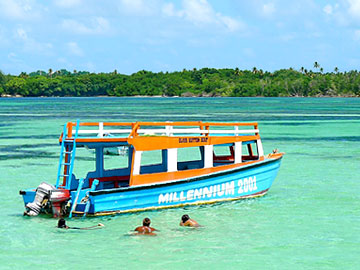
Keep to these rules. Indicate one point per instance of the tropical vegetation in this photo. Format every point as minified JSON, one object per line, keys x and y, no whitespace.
{"x":202,"y":82}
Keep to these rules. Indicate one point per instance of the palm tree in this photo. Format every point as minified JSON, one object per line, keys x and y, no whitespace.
{"x":50,"y":72}
{"x":321,"y":70}
{"x":237,"y":71}
{"x":316,"y":65}
{"x":302,"y":69}
{"x":336,"y":69}
{"x":23,"y":75}
{"x":254,"y":70}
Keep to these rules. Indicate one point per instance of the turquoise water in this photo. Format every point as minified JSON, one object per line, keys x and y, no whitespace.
{"x":308,"y":220}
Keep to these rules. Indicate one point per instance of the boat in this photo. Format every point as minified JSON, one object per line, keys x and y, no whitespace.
{"x":160,"y":165}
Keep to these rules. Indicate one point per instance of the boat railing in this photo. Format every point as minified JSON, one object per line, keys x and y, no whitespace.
{"x":131,"y":130}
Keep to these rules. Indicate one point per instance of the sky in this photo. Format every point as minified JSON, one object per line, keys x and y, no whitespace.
{"x":165,"y":35}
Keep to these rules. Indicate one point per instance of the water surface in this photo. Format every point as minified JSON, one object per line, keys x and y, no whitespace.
{"x":308,"y":220}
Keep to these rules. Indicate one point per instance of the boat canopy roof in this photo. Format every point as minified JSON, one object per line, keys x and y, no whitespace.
{"x":146,"y":136}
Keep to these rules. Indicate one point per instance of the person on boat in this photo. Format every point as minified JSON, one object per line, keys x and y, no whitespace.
{"x":188,"y":222}
{"x":145,"y":228}
{"x":62,"y":225}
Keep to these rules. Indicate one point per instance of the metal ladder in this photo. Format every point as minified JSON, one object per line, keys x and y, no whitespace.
{"x":67,"y":157}
{"x":74,"y":203}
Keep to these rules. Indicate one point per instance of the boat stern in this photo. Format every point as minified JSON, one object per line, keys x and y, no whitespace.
{"x":45,"y":198}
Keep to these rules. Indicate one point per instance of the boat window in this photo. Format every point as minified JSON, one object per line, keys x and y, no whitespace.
{"x":152,"y":162}
{"x":223,"y":154}
{"x":116,"y":157}
{"x":85,"y":162}
{"x":249,"y":151}
{"x":190,"y":158}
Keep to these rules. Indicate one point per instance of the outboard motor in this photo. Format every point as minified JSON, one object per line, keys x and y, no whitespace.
{"x":42,"y":194}
{"x":58,"y":197}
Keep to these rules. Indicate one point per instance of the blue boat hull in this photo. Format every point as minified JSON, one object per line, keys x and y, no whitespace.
{"x":244,"y":182}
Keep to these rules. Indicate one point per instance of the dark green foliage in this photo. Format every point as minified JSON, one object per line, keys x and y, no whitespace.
{"x":2,"y":78}
{"x":2,"y":83}
{"x":202,"y":82}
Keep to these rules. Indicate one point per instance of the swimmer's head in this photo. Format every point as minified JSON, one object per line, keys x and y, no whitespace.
{"x":185,"y":218}
{"x":61,"y":223}
{"x":146,"y":222}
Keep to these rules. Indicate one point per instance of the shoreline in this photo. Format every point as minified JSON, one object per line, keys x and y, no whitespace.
{"x":205,"y":82}
{"x":194,"y":96}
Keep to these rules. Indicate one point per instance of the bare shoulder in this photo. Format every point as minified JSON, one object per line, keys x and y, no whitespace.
{"x":194,"y":223}
{"x":138,"y":229}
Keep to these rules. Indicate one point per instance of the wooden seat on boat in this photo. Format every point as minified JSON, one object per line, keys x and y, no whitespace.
{"x":119,"y":181}
{"x":248,"y":158}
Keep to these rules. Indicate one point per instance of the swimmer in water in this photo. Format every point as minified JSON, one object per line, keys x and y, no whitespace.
{"x":188,"y":222}
{"x":145,"y":228}
{"x":62,"y":225}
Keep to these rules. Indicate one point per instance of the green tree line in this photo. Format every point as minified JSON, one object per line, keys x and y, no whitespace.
{"x":202,"y":82}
